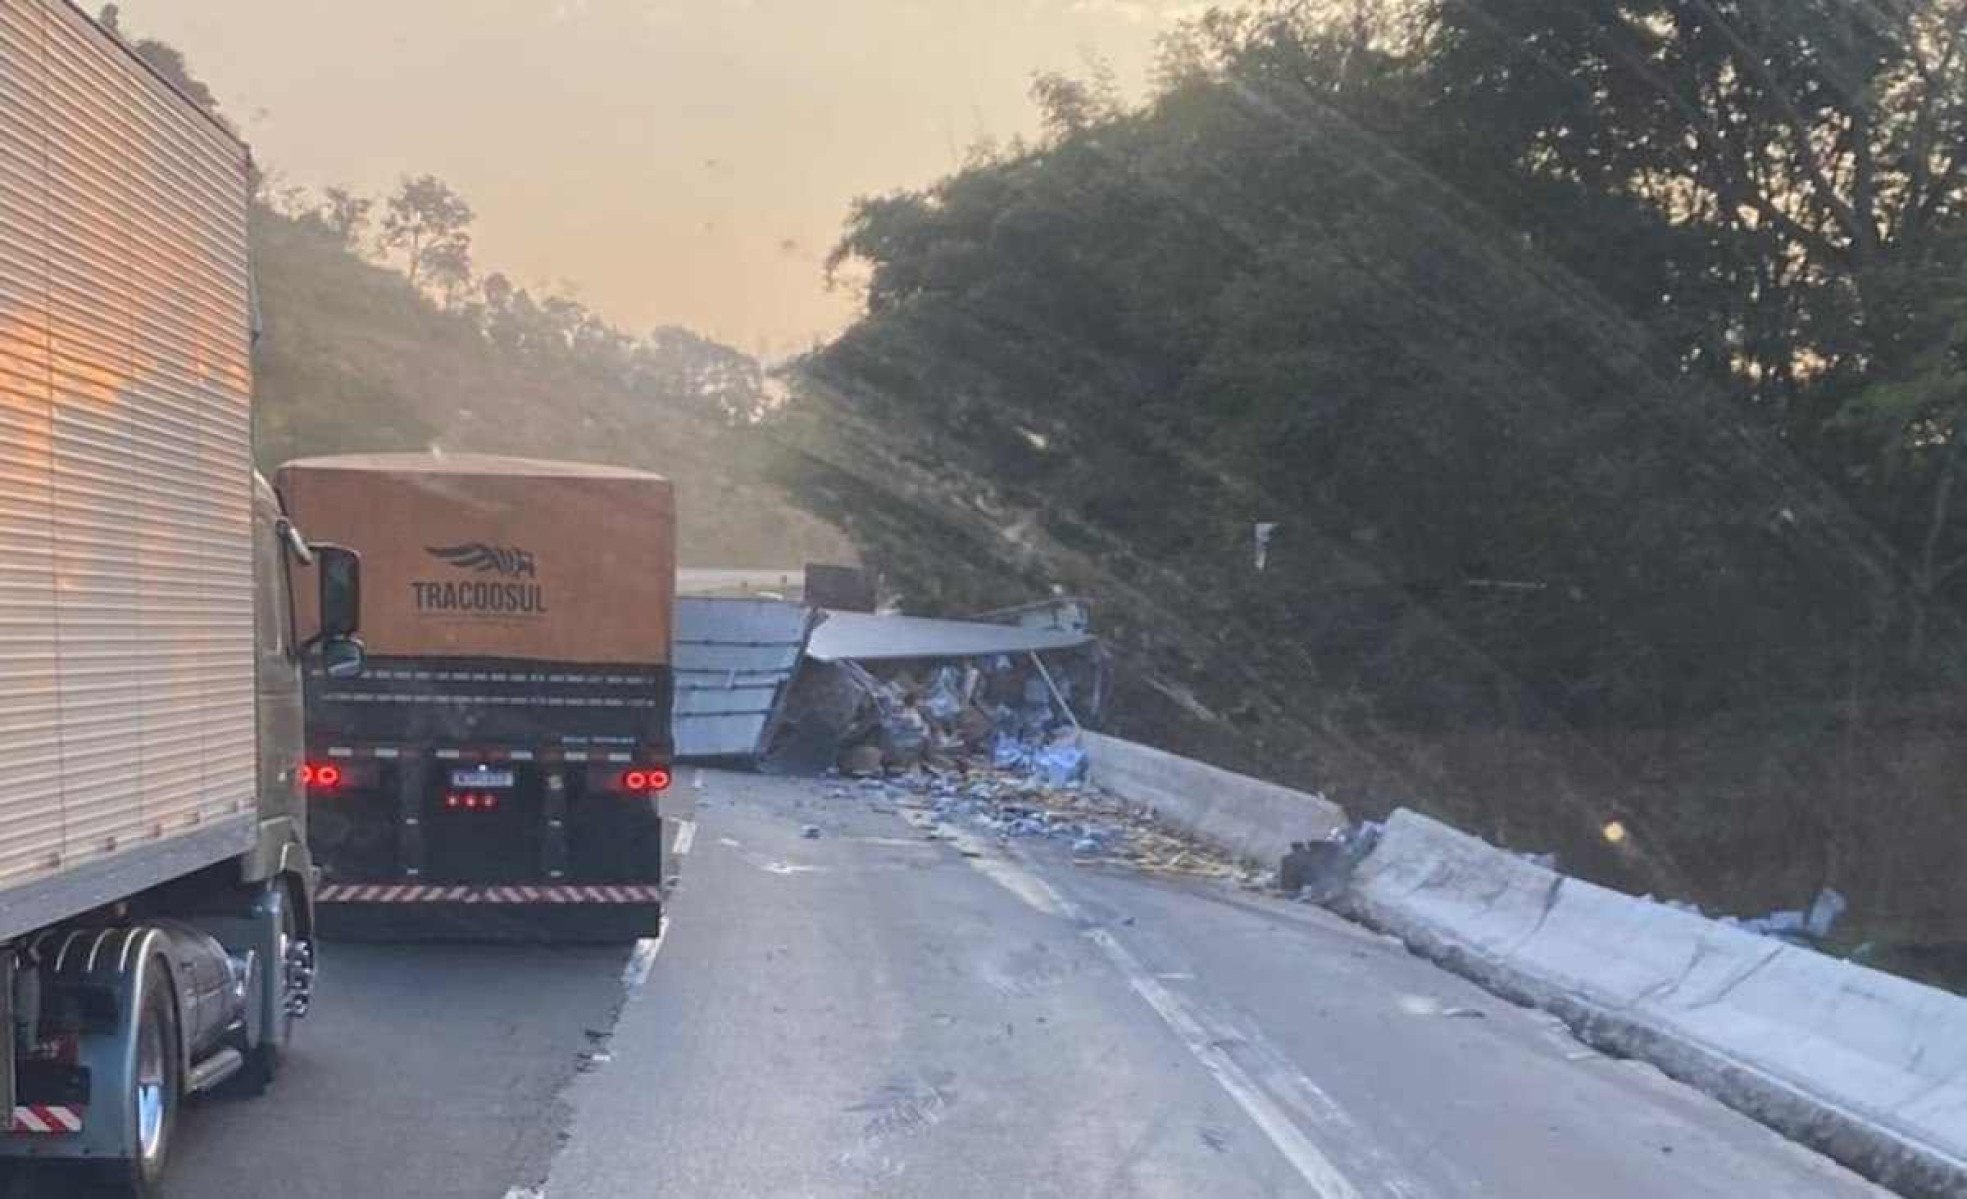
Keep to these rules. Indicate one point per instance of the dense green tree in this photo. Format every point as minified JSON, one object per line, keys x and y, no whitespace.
{"x":1576,"y":351}
{"x":346,"y":215}
{"x":428,"y":226}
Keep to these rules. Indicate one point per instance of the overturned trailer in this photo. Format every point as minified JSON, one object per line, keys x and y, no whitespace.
{"x":891,"y":692}
{"x":735,"y":659}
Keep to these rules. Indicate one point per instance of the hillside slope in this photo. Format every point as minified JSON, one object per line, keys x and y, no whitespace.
{"x":352,"y":358}
{"x":1527,"y":571}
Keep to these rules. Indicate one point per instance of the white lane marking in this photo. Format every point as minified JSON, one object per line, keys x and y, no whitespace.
{"x":636,"y":972}
{"x":1312,"y":1165}
{"x":1318,"y":1170}
{"x":788,"y":868}
{"x":734,"y":844}
{"x":1035,"y":891}
{"x":696,"y":780}
{"x":686,"y":835}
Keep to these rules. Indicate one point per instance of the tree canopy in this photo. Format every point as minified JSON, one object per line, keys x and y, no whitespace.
{"x":1597,"y":364}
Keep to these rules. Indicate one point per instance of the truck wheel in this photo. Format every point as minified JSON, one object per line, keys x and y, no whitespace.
{"x":263,"y":1059}
{"x":157,"y":1089}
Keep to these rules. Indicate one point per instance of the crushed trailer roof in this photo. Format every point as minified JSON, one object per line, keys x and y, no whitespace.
{"x":859,"y":637}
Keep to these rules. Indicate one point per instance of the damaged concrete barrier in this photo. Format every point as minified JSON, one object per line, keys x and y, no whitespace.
{"x":1247,"y":817}
{"x":1865,"y":1066}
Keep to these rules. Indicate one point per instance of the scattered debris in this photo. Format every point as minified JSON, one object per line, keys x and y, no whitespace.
{"x":1809,"y":927}
{"x":861,"y":760}
{"x":1317,"y":871}
{"x":811,"y":832}
{"x":1013,"y":804}
{"x":1463,"y":1013}
{"x":1314,"y":871}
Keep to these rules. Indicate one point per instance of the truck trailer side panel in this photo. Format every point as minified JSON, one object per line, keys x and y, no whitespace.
{"x":127,"y":725}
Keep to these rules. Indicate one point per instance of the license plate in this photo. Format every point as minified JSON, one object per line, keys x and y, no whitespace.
{"x":481,"y":778}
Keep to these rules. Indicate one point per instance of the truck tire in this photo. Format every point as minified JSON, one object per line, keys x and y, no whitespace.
{"x":263,"y":1059}
{"x":156,"y":1091}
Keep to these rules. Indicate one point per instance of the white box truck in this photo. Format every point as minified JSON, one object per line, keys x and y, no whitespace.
{"x":155,"y":881}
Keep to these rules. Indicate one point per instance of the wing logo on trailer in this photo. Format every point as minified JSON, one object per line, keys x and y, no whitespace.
{"x":506,"y":560}
{"x":503,"y":596}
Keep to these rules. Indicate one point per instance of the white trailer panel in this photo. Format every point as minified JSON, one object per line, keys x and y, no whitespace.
{"x":126,"y":571}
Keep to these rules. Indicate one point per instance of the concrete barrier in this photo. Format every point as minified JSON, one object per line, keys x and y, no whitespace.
{"x":1250,"y":818}
{"x":1867,"y":1067}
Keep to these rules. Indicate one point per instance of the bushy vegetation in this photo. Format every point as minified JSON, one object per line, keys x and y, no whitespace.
{"x":378,"y":332}
{"x":353,"y":357}
{"x":1599,"y":366}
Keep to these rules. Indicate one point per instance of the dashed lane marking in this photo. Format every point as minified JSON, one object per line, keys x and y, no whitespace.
{"x":642,"y":958}
{"x":1209,"y":1050}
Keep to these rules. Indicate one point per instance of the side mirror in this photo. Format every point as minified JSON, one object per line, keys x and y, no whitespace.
{"x":342,"y":657}
{"x":340,"y":574}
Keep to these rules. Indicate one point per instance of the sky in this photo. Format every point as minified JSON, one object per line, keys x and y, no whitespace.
{"x":680,"y":162}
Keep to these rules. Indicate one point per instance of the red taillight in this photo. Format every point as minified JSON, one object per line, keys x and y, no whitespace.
{"x":644,"y":779}
{"x":320,"y":776}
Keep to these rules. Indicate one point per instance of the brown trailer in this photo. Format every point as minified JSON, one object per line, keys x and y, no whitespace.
{"x":496,"y":768}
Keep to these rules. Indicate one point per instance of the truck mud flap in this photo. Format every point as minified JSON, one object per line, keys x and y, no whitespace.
{"x":594,"y":913}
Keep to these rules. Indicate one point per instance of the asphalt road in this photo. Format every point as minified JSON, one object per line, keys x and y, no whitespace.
{"x":876,"y":1012}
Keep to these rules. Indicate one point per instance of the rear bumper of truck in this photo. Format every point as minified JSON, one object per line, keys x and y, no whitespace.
{"x":408,"y":912}
{"x":491,"y":896}
{"x":550,"y":846}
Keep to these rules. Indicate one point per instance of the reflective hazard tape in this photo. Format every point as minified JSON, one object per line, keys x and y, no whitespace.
{"x":48,"y":1118}
{"x":373,"y":893}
